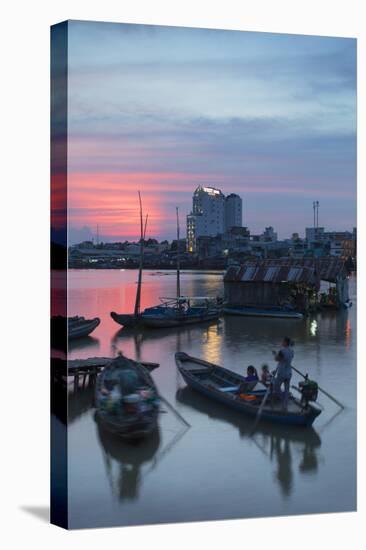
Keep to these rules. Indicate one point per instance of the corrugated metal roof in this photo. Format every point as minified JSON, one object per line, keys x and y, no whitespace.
{"x":260,"y":272}
{"x":306,"y":270}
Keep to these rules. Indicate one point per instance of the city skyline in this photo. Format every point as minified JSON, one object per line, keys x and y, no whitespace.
{"x":163,"y":110}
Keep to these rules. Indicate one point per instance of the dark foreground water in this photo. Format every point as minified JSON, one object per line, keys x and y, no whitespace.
{"x":215,"y":469}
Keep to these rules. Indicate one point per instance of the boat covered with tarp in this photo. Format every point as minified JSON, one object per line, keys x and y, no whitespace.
{"x":232,"y":389}
{"x":127,"y":399}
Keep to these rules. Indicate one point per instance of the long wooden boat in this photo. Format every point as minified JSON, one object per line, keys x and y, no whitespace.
{"x":223,"y":385}
{"x":277,"y":312}
{"x":199,"y":402}
{"x":127,"y":399}
{"x":180,"y":312}
{"x":77,"y":327}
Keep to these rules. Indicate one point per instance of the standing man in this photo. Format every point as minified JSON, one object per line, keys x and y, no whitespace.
{"x":284,"y":371}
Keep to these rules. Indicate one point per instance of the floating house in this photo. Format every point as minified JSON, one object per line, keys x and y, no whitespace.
{"x":287,"y":282}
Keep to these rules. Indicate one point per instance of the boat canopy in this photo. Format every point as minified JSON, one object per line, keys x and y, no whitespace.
{"x":185,"y":298}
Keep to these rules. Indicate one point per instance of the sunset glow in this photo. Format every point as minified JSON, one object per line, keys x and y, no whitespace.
{"x":163,"y":110}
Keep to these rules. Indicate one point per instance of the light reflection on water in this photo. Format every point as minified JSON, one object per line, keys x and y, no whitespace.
{"x":215,"y":469}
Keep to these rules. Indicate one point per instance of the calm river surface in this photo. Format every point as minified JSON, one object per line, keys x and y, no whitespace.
{"x":215,"y":469}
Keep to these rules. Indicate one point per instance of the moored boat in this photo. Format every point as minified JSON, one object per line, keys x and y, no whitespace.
{"x":226,"y":387}
{"x":127,"y":399}
{"x":277,"y":312}
{"x":77,"y":327}
{"x":181,"y":311}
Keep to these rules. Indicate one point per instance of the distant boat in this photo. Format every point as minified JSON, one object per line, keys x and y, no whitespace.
{"x":127,"y":399}
{"x":77,"y":327}
{"x":176,"y":312}
{"x":278,"y":312}
{"x":182,"y":310}
{"x":223,"y":385}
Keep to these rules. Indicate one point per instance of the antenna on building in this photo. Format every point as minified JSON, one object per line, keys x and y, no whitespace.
{"x":97,"y":234}
{"x":316,"y":214}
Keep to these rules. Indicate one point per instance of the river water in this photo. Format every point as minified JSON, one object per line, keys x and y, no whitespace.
{"x":215,"y":469}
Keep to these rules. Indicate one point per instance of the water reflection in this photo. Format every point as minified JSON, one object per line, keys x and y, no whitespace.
{"x":280,"y":465}
{"x":330,"y":323}
{"x":209,"y":334}
{"x":282,"y":445}
{"x":124,"y":461}
{"x":80,"y":398}
{"x":89,"y":343}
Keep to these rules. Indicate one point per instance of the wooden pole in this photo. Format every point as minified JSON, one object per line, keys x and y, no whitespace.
{"x":264,"y":400}
{"x":174,"y":410}
{"x":178,"y":256}
{"x":139,"y":281}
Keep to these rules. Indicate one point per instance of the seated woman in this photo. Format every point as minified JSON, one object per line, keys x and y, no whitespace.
{"x":252,"y":375}
{"x":250,"y":380}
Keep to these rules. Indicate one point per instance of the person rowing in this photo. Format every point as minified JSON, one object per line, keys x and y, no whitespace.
{"x":283,"y":372}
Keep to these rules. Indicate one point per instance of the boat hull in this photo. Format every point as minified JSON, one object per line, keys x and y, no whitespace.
{"x":128,"y":430}
{"x":126,"y":319}
{"x":83,"y":329}
{"x":76,"y":327}
{"x":275,"y":416}
{"x":156,"y":321}
{"x":255,"y":312}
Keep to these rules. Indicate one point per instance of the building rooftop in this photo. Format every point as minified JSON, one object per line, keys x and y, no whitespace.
{"x":260,"y":271}
{"x":306,"y":270}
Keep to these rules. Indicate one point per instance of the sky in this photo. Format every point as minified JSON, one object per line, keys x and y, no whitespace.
{"x":162,"y":110}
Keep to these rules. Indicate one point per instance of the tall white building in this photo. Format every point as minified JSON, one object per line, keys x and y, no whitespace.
{"x":233,"y":212}
{"x":212,"y":214}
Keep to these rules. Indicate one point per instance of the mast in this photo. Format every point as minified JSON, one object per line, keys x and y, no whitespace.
{"x":142,"y":238}
{"x":178,"y":256}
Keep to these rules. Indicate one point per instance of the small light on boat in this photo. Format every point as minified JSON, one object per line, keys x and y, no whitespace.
{"x":313,"y":327}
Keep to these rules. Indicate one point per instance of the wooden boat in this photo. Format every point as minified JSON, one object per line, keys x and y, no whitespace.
{"x":77,"y":327}
{"x":224,"y":386}
{"x":176,"y":312}
{"x":200,"y":403}
{"x":127,"y":399}
{"x":277,"y":312}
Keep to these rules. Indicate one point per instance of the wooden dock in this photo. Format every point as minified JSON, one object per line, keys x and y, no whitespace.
{"x":81,"y":369}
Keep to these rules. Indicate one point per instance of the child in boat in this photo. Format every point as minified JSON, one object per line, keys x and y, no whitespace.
{"x":252,"y":375}
{"x":266,"y":376}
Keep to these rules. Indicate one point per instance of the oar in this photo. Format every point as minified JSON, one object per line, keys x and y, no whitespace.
{"x":321,"y":389}
{"x":174,"y":410}
{"x":264,"y":400}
